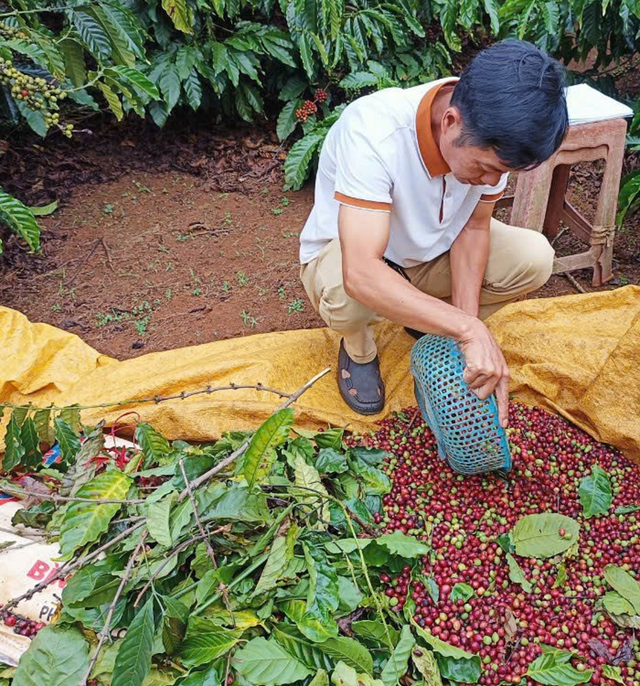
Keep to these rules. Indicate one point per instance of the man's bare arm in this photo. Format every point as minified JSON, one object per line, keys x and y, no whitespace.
{"x":468,"y":255}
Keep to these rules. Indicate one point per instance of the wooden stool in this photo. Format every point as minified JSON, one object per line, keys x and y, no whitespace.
{"x":540,"y":201}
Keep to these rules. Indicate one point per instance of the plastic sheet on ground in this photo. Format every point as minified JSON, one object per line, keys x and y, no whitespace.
{"x":575,"y":355}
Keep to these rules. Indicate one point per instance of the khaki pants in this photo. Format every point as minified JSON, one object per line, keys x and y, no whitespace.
{"x":520,"y":261}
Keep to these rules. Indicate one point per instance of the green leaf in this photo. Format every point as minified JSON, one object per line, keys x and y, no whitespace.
{"x":43,"y":427}
{"x":295,"y":643}
{"x":193,"y":89}
{"x":91,"y":586}
{"x":626,"y":509}
{"x":91,"y":33}
{"x":595,"y":493}
{"x":287,"y":120}
{"x":45,"y":210}
{"x":441,"y":647}
{"x":398,"y":662}
{"x":561,"y":577}
{"x":266,"y":663}
{"x":517,"y":575}
{"x":206,"y":642}
{"x":74,"y":61}
{"x":154,"y":446}
{"x":403,"y":545}
{"x":322,"y":598}
{"x":506,"y":543}
{"x":13,"y":449}
{"x":260,"y":455}
{"x":18,"y":218}
{"x":208,"y":677}
{"x":345,"y":675}
{"x":296,"y":166}
{"x":375,"y":480}
{"x":320,"y":679}
{"x":465,"y":671}
{"x":56,"y":657}
{"x":174,"y":624}
{"x":137,"y":79}
{"x":624,"y":583}
{"x":461,"y":591}
{"x":548,"y":669}
{"x":629,"y":197}
{"x":240,"y":504}
{"x":311,"y":486}
{"x":330,"y":438}
{"x":32,"y":458}
{"x":375,"y":631}
{"x":358,"y":79}
{"x":158,"y":519}
{"x":615,"y":604}
{"x":84,"y":522}
{"x":279,"y":558}
{"x":349,"y":595}
{"x":180,"y":14}
{"x":35,"y":517}
{"x":427,"y":665}
{"x":613,"y":672}
{"x":539,"y":535}
{"x":349,"y":651}
{"x":491,"y":7}
{"x":432,"y":588}
{"x":311,"y":628}
{"x":112,"y":100}
{"x":133,"y":661}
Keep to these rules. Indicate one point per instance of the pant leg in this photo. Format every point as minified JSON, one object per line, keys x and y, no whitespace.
{"x":322,"y":280}
{"x":520,"y":261}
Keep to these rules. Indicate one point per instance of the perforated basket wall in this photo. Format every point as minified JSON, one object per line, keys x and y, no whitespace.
{"x":466,"y":428}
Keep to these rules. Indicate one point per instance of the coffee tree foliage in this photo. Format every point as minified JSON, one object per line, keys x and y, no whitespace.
{"x":253,"y":58}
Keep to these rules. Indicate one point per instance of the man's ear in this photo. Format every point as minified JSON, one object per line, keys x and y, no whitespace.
{"x":451,"y":125}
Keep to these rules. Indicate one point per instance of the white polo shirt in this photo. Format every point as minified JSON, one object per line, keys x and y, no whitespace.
{"x":381,"y":156}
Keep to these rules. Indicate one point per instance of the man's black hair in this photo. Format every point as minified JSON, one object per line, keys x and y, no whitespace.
{"x":512,"y":99}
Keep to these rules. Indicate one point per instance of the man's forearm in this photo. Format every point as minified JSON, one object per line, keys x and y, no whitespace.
{"x":388,"y":294}
{"x":468,"y":257}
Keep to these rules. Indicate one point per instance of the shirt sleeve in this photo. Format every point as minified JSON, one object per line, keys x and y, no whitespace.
{"x":362,"y":179}
{"x":493,"y":193}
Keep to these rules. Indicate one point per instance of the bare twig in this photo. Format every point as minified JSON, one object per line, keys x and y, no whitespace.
{"x":67,"y":568}
{"x":207,"y":542}
{"x":84,"y":261}
{"x":559,"y":235}
{"x":107,"y":251}
{"x":176,"y":551}
{"x":240,"y":451}
{"x":159,"y":399}
{"x":572,"y":280}
{"x":36,"y":495}
{"x":104,"y":632}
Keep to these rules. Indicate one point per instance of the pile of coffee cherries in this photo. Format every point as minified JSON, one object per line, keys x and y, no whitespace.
{"x":462,"y":518}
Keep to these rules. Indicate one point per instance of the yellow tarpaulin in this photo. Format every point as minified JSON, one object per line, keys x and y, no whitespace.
{"x":576,"y":355}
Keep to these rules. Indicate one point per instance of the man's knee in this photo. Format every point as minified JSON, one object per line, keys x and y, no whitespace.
{"x":341,"y":312}
{"x":537,"y":264}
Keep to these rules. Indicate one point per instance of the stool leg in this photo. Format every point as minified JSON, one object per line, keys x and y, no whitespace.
{"x":605,"y":218}
{"x":532,"y":193}
{"x":559,"y":184}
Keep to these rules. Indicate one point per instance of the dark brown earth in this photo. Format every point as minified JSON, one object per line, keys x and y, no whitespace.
{"x":172,"y":238}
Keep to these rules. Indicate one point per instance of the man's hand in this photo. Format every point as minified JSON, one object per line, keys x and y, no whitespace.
{"x":486,"y":369}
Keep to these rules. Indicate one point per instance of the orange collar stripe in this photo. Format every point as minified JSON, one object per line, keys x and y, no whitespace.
{"x":431,"y":155}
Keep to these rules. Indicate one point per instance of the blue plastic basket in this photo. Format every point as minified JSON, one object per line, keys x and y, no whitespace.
{"x":467,"y":429}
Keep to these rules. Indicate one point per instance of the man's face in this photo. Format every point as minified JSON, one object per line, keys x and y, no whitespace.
{"x":469,"y":164}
